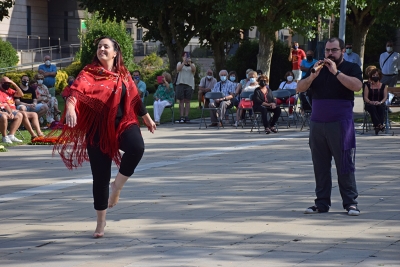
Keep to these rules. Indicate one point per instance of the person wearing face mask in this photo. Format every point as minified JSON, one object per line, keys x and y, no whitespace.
{"x":389,"y":62}
{"x":43,"y":96}
{"x":206,"y":84}
{"x":375,"y":95}
{"x":296,"y":55}
{"x":289,"y":83}
{"x":185,"y":85}
{"x":350,"y":56}
{"x":141,"y":85}
{"x":332,"y":127}
{"x":49,"y":72}
{"x":228,"y":89}
{"x":243,"y":82}
{"x":66,"y":92}
{"x":307,"y":63}
{"x":28,"y":102}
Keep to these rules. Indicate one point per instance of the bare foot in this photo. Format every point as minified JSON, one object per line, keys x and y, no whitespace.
{"x":99,"y":232}
{"x":114,"y":197}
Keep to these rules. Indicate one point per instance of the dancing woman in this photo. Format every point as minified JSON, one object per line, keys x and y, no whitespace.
{"x":101,"y":118}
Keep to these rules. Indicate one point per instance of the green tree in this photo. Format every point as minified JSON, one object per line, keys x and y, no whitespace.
{"x":171,"y":22}
{"x":96,"y":27}
{"x":362,"y":14}
{"x":272,"y":15}
{"x":8,"y":55}
{"x":5,"y":5}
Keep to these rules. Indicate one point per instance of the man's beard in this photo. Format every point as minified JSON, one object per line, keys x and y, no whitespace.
{"x":337,"y":61}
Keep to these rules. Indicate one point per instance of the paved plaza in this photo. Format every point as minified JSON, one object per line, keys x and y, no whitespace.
{"x":205,"y":198}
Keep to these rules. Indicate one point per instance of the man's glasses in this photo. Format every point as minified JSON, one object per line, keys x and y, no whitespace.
{"x":333,"y":50}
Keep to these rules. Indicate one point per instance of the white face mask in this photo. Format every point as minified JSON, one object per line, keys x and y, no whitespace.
{"x":209,"y":77}
{"x":389,"y":48}
{"x":47,"y":62}
{"x":40,"y":81}
{"x":289,"y":78}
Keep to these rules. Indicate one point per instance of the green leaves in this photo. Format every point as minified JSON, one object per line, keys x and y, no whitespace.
{"x":5,"y":5}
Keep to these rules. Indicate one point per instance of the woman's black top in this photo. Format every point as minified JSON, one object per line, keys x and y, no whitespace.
{"x":259,"y":97}
{"x":121,"y":107}
{"x":376,"y":94}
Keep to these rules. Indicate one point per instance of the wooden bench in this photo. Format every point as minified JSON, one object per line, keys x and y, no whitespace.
{"x":396,"y":92}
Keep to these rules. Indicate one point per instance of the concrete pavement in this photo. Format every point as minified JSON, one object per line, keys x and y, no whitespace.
{"x":204,"y":197}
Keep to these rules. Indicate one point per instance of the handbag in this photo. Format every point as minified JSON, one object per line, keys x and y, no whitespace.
{"x":246,"y":103}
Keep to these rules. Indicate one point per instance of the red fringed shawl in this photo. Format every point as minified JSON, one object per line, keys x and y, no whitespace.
{"x":98,"y":94}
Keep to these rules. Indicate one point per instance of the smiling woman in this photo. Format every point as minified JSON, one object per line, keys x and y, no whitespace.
{"x":107,"y":101}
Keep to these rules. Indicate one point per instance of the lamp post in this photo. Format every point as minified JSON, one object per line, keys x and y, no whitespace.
{"x":342,"y":21}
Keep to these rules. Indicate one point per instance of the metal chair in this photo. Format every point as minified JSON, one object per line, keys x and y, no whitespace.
{"x":244,"y":95}
{"x":208,"y":96}
{"x":285,"y":94}
{"x":305,"y":105}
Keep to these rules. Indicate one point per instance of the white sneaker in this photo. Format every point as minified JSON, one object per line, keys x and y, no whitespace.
{"x":41,"y":120}
{"x":236,"y":124}
{"x":14,"y":139}
{"x":6,"y":140}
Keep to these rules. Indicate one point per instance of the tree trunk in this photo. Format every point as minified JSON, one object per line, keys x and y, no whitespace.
{"x":219,"y":55}
{"x":359,"y":37}
{"x":266,"y":48}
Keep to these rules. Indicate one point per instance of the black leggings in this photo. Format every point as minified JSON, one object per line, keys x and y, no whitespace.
{"x":131,"y":142}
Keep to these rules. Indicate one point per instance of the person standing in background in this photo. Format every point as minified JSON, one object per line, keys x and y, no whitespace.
{"x":296,"y":55}
{"x":350,"y":56}
{"x":389,"y":62}
{"x":49,"y":71}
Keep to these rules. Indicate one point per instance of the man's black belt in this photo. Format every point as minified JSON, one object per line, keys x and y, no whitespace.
{"x":389,"y":74}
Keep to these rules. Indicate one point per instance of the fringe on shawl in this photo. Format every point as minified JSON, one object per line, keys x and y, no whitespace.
{"x":94,"y":117}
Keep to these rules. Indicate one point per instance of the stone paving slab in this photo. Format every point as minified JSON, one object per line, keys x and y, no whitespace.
{"x":204,"y":197}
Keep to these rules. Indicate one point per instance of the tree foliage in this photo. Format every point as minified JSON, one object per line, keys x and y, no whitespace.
{"x":5,"y":5}
{"x":96,"y":27}
{"x":8,"y":55}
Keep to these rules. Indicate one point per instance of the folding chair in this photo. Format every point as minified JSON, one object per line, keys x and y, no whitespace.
{"x":245,"y":95}
{"x":171,"y":108}
{"x":305,"y":105}
{"x":208,"y":96}
{"x":285,"y":94}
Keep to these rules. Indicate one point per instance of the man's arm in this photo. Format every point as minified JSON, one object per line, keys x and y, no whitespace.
{"x":18,"y":90}
{"x":290,"y":54}
{"x":302,"y":67}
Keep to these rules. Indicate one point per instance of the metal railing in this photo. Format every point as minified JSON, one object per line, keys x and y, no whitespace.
{"x":20,"y":42}
{"x":62,"y":62}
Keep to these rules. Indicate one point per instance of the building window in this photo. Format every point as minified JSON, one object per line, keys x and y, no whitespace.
{"x":139,"y":34}
{"x":65,"y":29}
{"x":28,"y":20}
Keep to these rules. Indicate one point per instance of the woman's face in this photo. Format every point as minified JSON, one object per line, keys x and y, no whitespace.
{"x":105,"y":51}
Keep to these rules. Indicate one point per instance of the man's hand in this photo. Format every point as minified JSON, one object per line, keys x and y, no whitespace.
{"x":330,"y":65}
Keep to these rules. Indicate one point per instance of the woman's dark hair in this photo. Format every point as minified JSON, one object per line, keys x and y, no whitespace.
{"x":289,"y":73}
{"x":118,"y":60}
{"x":374,"y":71}
{"x":263,"y":77}
{"x":232,"y":72}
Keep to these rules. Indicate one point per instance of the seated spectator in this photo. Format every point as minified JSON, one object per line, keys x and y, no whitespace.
{"x":228,"y":89}
{"x":6,"y":115}
{"x":67,"y":90}
{"x":264,"y":102}
{"x":206,"y":84}
{"x":7,"y":97}
{"x":375,"y":95}
{"x":141,"y":85}
{"x":243,"y":82}
{"x":252,"y":84}
{"x":28,"y":102}
{"x":288,"y":84}
{"x":164,"y":96}
{"x":43,"y":96}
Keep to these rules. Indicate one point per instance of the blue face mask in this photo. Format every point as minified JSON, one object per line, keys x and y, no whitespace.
{"x":70,"y":83}
{"x":232,"y":78}
{"x":252,"y":80}
{"x":223,"y":78}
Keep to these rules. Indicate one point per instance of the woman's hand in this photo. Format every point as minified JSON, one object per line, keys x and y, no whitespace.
{"x":151,"y":126}
{"x":70,"y":113}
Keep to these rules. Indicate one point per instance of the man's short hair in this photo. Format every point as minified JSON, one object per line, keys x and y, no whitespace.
{"x":135,"y":71}
{"x":333,"y":39}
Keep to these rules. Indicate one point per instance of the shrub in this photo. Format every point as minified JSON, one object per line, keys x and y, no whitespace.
{"x":8,"y":55}
{"x":96,"y":28}
{"x":73,"y":69}
{"x":246,"y":58}
{"x":17,"y":75}
{"x":61,"y":81}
